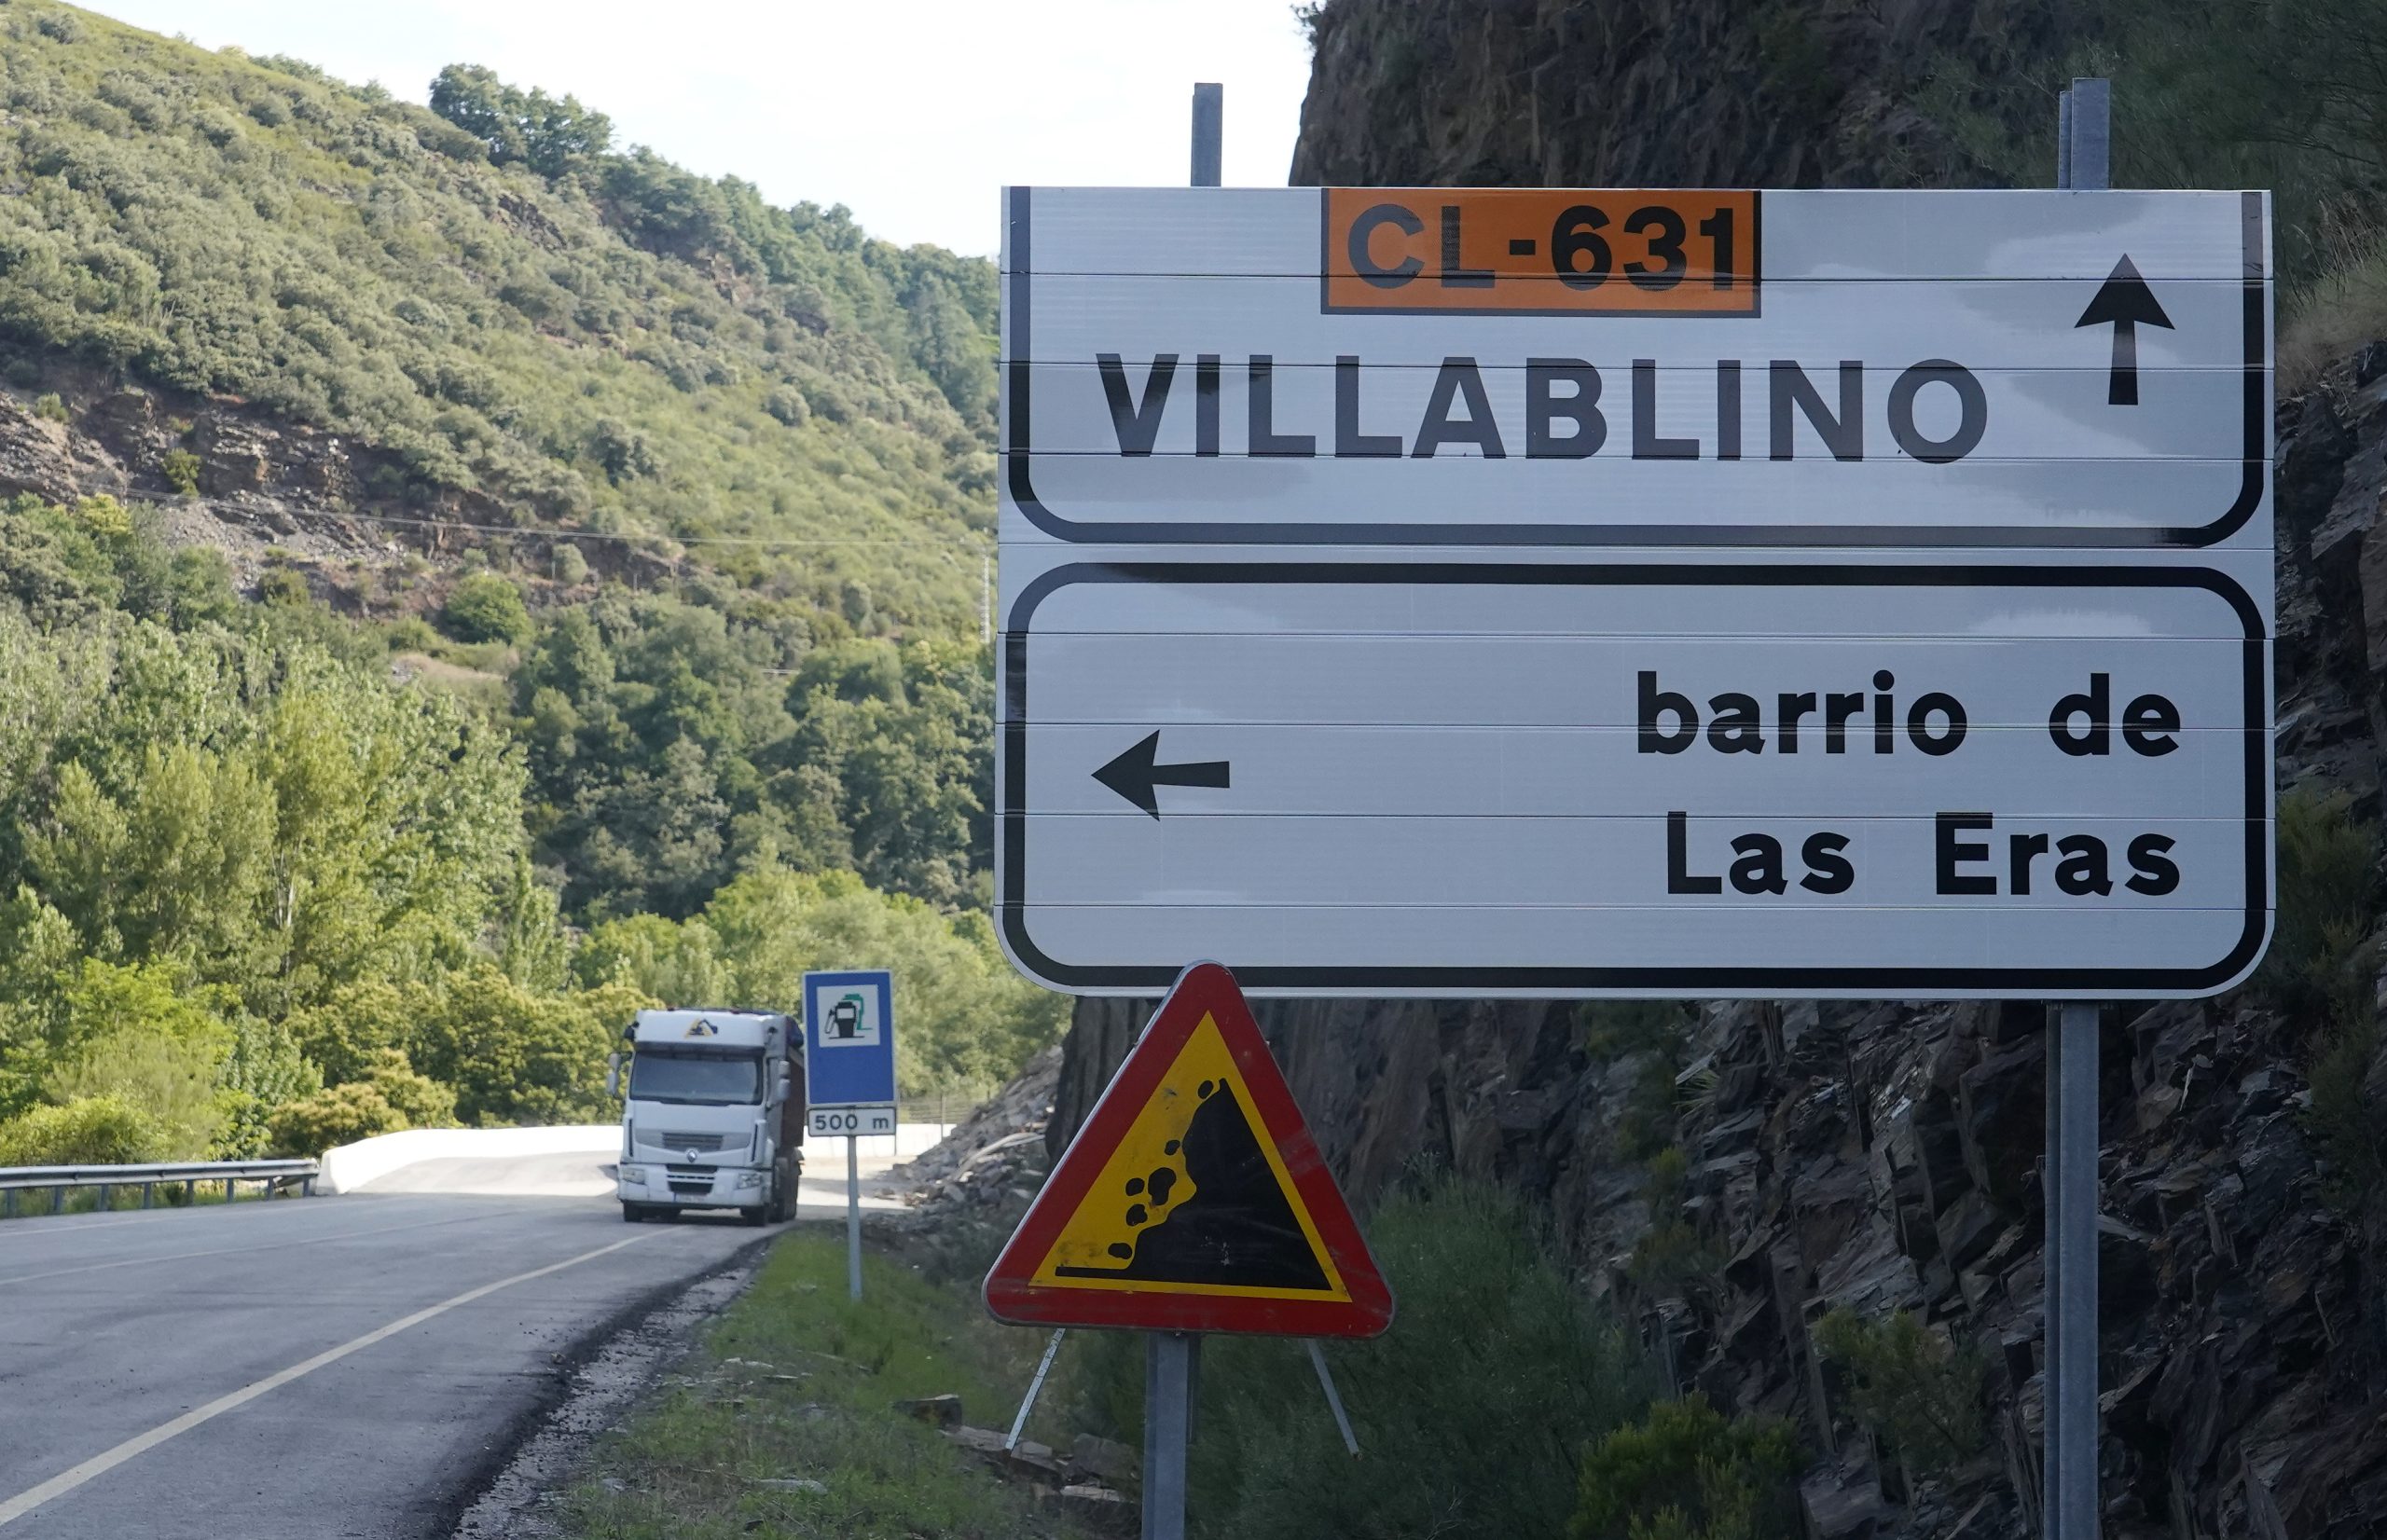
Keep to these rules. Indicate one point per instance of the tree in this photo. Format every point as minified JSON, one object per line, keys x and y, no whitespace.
{"x":340,"y":1115}
{"x":514,"y":126}
{"x":91,"y":1131}
{"x":486,"y":607}
{"x":515,"y":1057}
{"x":132,"y":1034}
{"x":968,"y":1020}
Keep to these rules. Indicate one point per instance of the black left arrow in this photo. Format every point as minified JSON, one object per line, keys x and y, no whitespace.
{"x":1134,"y":774}
{"x":2123,"y":302}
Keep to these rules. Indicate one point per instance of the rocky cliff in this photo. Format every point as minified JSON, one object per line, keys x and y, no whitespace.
{"x":261,"y":488}
{"x":1884,"y":1156}
{"x":1734,"y":93}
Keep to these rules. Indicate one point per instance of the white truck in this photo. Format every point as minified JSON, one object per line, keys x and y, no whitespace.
{"x":714,"y":1116}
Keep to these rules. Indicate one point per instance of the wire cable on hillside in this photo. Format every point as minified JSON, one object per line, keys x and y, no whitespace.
{"x":537,"y":533}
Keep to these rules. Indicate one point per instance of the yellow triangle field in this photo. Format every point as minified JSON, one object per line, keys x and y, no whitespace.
{"x":1146,"y":1184}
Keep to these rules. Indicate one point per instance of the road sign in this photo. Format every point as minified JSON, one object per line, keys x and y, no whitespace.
{"x":850,"y":1039}
{"x":858,"y":1121}
{"x":1803,"y":777}
{"x":1193,"y":1198}
{"x":1506,"y":367}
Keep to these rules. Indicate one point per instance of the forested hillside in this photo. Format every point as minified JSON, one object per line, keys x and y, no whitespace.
{"x":463,"y":581}
{"x":526,"y":327}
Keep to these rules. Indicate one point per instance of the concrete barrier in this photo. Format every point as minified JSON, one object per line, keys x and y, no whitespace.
{"x":350,"y":1166}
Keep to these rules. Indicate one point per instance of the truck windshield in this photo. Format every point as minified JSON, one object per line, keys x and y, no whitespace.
{"x":665,"y":1077}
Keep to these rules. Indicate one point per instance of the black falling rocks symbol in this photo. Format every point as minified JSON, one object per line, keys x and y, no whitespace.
{"x":1236,"y":1228}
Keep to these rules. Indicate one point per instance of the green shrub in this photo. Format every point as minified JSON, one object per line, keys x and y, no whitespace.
{"x":51,"y":405}
{"x":181,"y":468}
{"x":1670,"y":1254}
{"x":789,"y":406}
{"x":1917,"y":1390}
{"x":411,"y":634}
{"x":2347,"y":1123}
{"x":88,"y":1131}
{"x":2328,"y":873}
{"x":421,"y":1100}
{"x":389,"y":1098}
{"x":284,"y":586}
{"x":1471,"y":1412}
{"x":1688,"y":1474}
{"x":571,"y":566}
{"x":338,"y":1114}
{"x":486,"y":607}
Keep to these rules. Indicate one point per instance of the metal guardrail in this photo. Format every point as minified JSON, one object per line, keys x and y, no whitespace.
{"x":59,"y":1180}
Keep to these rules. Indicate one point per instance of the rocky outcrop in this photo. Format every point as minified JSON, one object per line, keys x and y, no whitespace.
{"x":255,"y":486}
{"x":1620,"y":94}
{"x":1884,"y":1157}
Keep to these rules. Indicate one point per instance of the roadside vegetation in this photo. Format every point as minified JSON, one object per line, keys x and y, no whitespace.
{"x":1503,"y":1402}
{"x":258,"y":894}
{"x":784,"y":1424}
{"x":319,"y":850}
{"x":1541,"y":1416}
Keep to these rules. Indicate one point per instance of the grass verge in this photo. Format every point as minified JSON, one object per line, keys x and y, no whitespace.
{"x":797,"y":1383}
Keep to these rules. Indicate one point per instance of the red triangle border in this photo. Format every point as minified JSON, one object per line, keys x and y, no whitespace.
{"x":1205,"y":988}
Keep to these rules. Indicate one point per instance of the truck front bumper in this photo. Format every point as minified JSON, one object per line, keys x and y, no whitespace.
{"x":691,"y":1186}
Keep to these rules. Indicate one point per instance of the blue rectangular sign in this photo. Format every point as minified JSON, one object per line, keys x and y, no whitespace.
{"x":849,"y":1039}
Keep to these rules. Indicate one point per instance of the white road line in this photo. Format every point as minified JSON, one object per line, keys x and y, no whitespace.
{"x":244,"y":1251}
{"x":99,"y":1464}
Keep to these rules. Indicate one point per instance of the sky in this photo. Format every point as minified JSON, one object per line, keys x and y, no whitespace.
{"x":912,"y":114}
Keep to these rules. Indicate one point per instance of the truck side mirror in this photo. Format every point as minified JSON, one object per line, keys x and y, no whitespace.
{"x":612,"y":1073}
{"x":779,"y":1092}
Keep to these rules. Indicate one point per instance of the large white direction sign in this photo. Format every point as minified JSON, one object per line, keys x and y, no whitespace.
{"x":1565,"y":592}
{"x":1585,"y":779}
{"x":1546,"y":368}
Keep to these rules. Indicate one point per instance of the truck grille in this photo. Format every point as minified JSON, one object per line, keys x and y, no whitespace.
{"x":685,"y":1180}
{"x":704,"y":1144}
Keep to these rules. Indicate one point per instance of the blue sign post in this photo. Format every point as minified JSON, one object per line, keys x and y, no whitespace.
{"x":850,"y":1076}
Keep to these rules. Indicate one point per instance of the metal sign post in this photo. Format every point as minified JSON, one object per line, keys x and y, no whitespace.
{"x":853,"y":1216}
{"x":1168,"y":1355}
{"x":2068,"y":1394}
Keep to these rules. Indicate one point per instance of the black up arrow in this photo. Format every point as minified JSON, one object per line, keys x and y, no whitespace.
{"x":1133,"y":775}
{"x":2124,"y":302}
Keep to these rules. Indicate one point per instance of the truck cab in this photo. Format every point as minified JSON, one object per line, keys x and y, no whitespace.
{"x":712,"y":1115}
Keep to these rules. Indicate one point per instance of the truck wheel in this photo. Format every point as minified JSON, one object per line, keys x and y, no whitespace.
{"x":633,"y":1213}
{"x":784,"y":1194}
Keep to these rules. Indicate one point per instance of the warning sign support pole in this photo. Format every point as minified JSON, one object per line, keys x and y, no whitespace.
{"x":1168,"y":1415}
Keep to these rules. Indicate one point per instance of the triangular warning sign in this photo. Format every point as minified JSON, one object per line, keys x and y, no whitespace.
{"x":1194,"y":1199}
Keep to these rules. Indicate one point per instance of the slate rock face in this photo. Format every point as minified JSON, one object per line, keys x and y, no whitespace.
{"x":1625,"y":93}
{"x":1885,"y":1156}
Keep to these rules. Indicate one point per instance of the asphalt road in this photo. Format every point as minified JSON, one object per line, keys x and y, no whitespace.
{"x":305,"y":1369}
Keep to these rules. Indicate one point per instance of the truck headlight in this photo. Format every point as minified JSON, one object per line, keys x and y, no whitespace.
{"x":750,"y":1178}
{"x":634,"y":1175}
